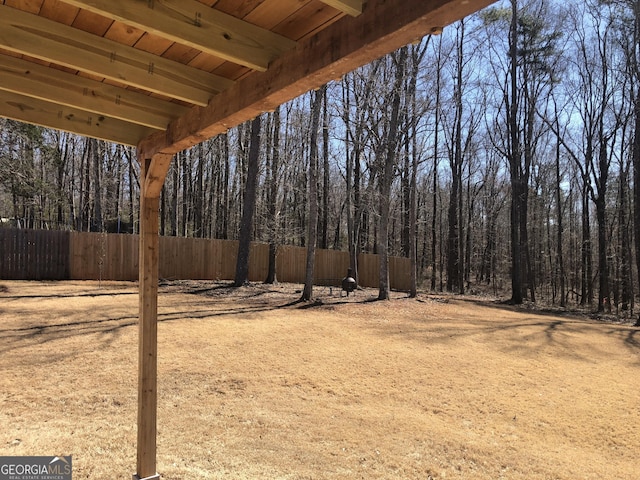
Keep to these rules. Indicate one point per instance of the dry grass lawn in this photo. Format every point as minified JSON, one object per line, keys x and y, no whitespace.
{"x":253,"y":387}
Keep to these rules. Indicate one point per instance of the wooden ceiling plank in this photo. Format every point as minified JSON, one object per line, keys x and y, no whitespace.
{"x":50,"y":41}
{"x":46,"y":114}
{"x":350,"y":7}
{"x":273,"y":12}
{"x":59,"y":12}
{"x":384,"y":26}
{"x":236,"y":8}
{"x":191,"y":23}
{"x":26,"y":78}
{"x":33,"y":6}
{"x":298,"y":26}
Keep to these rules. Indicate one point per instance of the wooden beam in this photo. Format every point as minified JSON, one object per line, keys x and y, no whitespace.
{"x":147,"y":331}
{"x":350,"y":7}
{"x":37,"y":81}
{"x":384,"y":26}
{"x":53,"y":42}
{"x":51,"y":115}
{"x":156,"y":174}
{"x":199,"y":26}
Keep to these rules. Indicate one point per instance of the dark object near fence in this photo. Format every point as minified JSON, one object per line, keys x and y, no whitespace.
{"x":348,"y":283}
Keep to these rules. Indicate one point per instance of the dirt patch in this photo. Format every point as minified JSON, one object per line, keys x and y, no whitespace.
{"x":253,"y":384}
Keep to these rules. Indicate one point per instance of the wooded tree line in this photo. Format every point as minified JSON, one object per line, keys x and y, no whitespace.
{"x":503,"y":153}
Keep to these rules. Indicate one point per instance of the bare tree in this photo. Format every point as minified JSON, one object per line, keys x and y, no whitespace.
{"x":272,"y":185}
{"x":249,"y":204}
{"x":312,"y":220}
{"x":388,"y":171}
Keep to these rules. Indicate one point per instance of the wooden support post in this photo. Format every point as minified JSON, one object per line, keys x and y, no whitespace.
{"x":148,"y":331}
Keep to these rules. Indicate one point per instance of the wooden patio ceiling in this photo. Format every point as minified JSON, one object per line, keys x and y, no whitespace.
{"x":174,"y":72}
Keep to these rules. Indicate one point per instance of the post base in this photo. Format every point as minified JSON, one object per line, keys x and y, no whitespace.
{"x":152,"y":477}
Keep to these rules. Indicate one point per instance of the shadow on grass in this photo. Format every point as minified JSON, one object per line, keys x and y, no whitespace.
{"x":529,"y":332}
{"x":109,"y":328}
{"x":109,"y":293}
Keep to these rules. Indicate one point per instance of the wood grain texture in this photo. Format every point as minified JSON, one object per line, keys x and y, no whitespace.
{"x":192,"y":23}
{"x":148,"y":334}
{"x":57,"y":43}
{"x":37,"y":81}
{"x":52,"y":115}
{"x":350,"y":7}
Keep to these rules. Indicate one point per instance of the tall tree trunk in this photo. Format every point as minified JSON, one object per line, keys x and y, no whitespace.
{"x":132,"y":181}
{"x":85,"y":182}
{"x":273,"y":199}
{"x":351,"y":235}
{"x":198,"y":194}
{"x":559,"y":220}
{"x":586,"y":289}
{"x":312,"y":188}
{"x":454,"y":238}
{"x":517,"y":189}
{"x":174,"y":194}
{"x":387,"y":176}
{"x":249,"y":205}
{"x":224,"y":214}
{"x":624,"y":241}
{"x":636,"y":140}
{"x":434,"y":217}
{"x":325,"y":173}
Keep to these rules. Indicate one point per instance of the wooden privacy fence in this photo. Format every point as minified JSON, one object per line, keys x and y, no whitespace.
{"x":58,"y":255}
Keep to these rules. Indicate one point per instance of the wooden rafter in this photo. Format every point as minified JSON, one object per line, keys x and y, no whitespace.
{"x":44,"y":83}
{"x":196,"y":25}
{"x":350,"y":7}
{"x":50,"y":41}
{"x":52,"y":115}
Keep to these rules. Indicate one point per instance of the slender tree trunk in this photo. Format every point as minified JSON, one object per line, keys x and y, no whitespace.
{"x":517,"y":189}
{"x":387,"y":177}
{"x":434,"y":217}
{"x":174,"y":194}
{"x":624,"y":242}
{"x":604,"y":302}
{"x":224,"y":233}
{"x":559,"y":249}
{"x":312,"y":182}
{"x":325,"y":173}
{"x":132,"y":181}
{"x":249,"y":203}
{"x":273,"y":199}
{"x":413,"y":217}
{"x":586,"y":289}
{"x":198,"y":195}
{"x":351,"y":235}
{"x":97,"y":190}
{"x":636,"y":144}
{"x":454,"y":239}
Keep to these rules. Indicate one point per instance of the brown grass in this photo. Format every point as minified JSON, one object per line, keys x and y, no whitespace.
{"x":251,"y":387}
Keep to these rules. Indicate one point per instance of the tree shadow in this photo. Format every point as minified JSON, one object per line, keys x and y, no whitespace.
{"x":532,"y":334}
{"x":69,"y":295}
{"x":109,"y":328}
